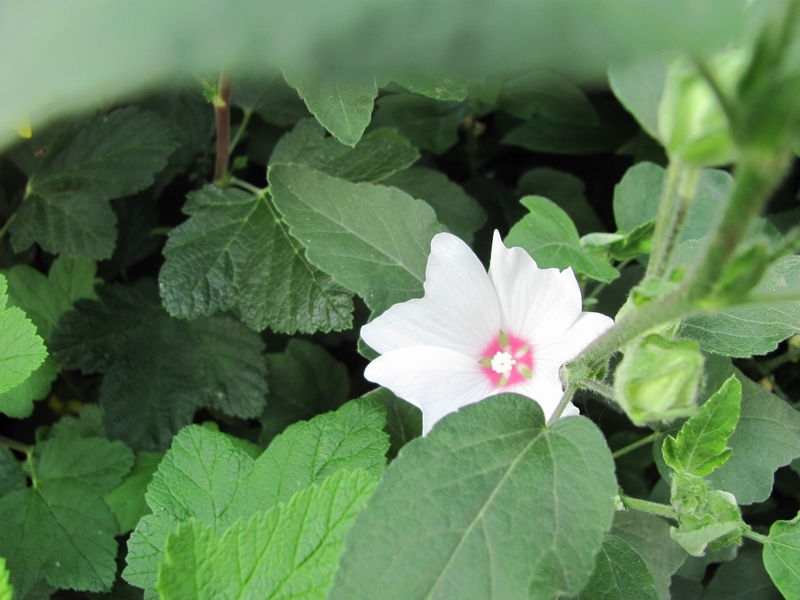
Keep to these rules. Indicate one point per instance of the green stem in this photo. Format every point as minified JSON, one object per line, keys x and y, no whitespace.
{"x":763,"y":539}
{"x":599,"y":388}
{"x":770,"y":365}
{"x":7,"y":224}
{"x":637,"y":444}
{"x":242,"y":127}
{"x":565,"y":400}
{"x":222,"y":113}
{"x":256,"y":191}
{"x":662,"y":510}
{"x":15,"y":445}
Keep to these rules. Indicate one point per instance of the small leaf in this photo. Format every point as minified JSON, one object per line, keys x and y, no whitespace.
{"x":21,"y":350}
{"x":275,"y":554}
{"x":637,"y":195}
{"x":429,"y":124}
{"x":6,"y":589}
{"x":550,"y":237}
{"x":17,"y":402}
{"x":372,"y":239}
{"x":619,"y":574}
{"x":489,"y":481}
{"x":639,"y":84}
{"x":700,"y":446}
{"x":782,"y":555}
{"x":127,"y":500}
{"x":343,"y":107}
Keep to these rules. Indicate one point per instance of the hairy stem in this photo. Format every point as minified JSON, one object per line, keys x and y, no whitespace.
{"x":648,"y":439}
{"x":662,"y":510}
{"x":565,"y":400}
{"x":222,"y":112}
{"x":763,"y":539}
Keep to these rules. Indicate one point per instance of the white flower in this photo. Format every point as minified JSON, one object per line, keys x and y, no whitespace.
{"x":475,"y":334}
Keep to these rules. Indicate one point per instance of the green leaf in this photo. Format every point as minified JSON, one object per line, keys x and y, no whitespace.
{"x":403,"y":419}
{"x":269,"y":97}
{"x":76,"y":170}
{"x":700,"y":446}
{"x":6,"y":589}
{"x":11,"y":475}
{"x":342,"y":105}
{"x":638,"y":83}
{"x":564,"y":189}
{"x":619,"y":574}
{"x":637,"y":195}
{"x":235,"y":253}
{"x":782,"y":556}
{"x":550,"y":237}
{"x":61,"y":525}
{"x":436,"y":88}
{"x":159,"y":369}
{"x":18,"y":401}
{"x":557,"y":136}
{"x":45,"y":299}
{"x":459,"y":507}
{"x":544,"y":93}
{"x":205,"y":476}
{"x":649,"y":536}
{"x":88,"y":423}
{"x":21,"y":350}
{"x":454,"y":208}
{"x":252,"y":559}
{"x":374,"y":240}
{"x":742,"y":579}
{"x":127,"y":500}
{"x":750,"y":329}
{"x":376,"y":156}
{"x":304,"y":381}
{"x":429,"y":124}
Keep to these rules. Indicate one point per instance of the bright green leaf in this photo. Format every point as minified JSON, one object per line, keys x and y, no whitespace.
{"x":619,"y":574}
{"x":639,"y":83}
{"x":18,"y":401}
{"x":376,"y":156}
{"x":544,"y":93}
{"x":429,"y":124}
{"x":127,"y":500}
{"x":291,"y":550}
{"x":550,"y":237}
{"x":304,"y":381}
{"x":700,"y":445}
{"x":74,"y":171}
{"x":782,"y":556}
{"x":159,"y":369}
{"x":343,"y":106}
{"x":235,"y":253}
{"x":490,"y":504}
{"x":6,"y":589}
{"x":61,"y":525}
{"x":22,"y":351}
{"x":454,"y":208}
{"x":374,"y":240}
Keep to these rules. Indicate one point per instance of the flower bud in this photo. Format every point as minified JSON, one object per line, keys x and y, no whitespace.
{"x":658,"y":379}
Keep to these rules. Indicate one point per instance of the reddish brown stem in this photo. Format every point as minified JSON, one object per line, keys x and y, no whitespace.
{"x":222,"y":112}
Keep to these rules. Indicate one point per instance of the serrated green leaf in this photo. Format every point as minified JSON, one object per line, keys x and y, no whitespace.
{"x":700,"y":445}
{"x":88,"y":423}
{"x":18,"y":401}
{"x":429,"y":124}
{"x":742,"y":579}
{"x":11,"y":475}
{"x":403,"y":419}
{"x":6,"y":589}
{"x":304,"y":381}
{"x":556,"y":136}
{"x":159,"y":369}
{"x":61,"y":525}
{"x":649,"y":536}
{"x":550,"y":237}
{"x":750,"y":329}
{"x":342,"y":106}
{"x":76,"y":170}
{"x":544,"y":93}
{"x":252,"y":559}
{"x":639,"y":83}
{"x":22,"y":351}
{"x":127,"y":500}
{"x":782,"y":556}
{"x":374,"y":240}
{"x":454,"y":208}
{"x":488,"y":481}
{"x":376,"y":155}
{"x":619,"y":574}
{"x":207,"y":477}
{"x":235,"y":253}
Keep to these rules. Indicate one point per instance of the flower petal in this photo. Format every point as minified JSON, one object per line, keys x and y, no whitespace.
{"x":460,"y":310}
{"x":437,"y":380}
{"x":544,"y":387}
{"x":588,"y":327}
{"x":538,"y":305}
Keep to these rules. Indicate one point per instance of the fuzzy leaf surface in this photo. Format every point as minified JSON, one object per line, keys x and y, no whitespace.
{"x":74,"y":171}
{"x":61,"y":525}
{"x":289,"y":551}
{"x":619,"y":574}
{"x":376,"y":156}
{"x":550,"y":237}
{"x":782,"y":556}
{"x":159,"y":369}
{"x":374,"y":240}
{"x":234,"y":253}
{"x":490,"y":504}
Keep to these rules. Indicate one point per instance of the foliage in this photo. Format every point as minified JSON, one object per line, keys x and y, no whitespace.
{"x":201,"y":206}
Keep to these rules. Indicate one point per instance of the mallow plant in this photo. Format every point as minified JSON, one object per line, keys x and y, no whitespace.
{"x":516,"y":324}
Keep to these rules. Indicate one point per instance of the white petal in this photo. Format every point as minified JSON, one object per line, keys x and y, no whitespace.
{"x":544,"y":387}
{"x":538,"y":305}
{"x":437,"y":380}
{"x":588,"y":327}
{"x":460,"y":310}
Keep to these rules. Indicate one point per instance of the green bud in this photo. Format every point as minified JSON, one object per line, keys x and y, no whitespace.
{"x":692,"y":123}
{"x":658,"y":379}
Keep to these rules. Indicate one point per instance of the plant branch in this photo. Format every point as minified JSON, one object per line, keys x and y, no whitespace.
{"x":256,"y":191}
{"x":662,"y":510}
{"x":222,"y":112}
{"x":638,"y":444}
{"x":15,"y":445}
{"x":242,"y":127}
{"x":598,"y":387}
{"x":763,"y":539}
{"x":6,"y":225}
{"x":565,"y":400}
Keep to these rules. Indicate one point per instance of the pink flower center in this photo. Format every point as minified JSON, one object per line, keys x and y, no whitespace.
{"x":507,"y":360}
